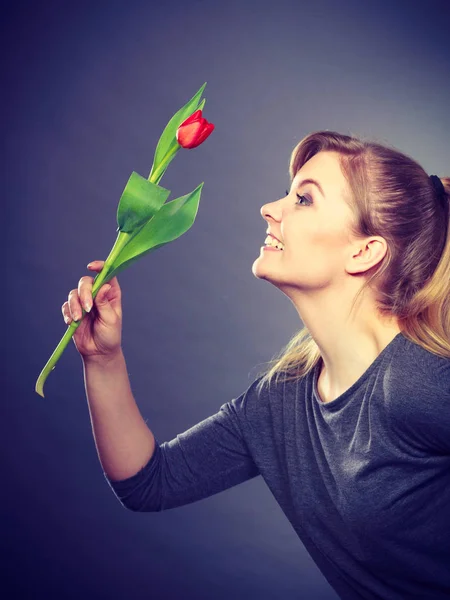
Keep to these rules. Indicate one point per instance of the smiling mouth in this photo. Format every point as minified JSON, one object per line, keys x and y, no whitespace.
{"x":273,"y":243}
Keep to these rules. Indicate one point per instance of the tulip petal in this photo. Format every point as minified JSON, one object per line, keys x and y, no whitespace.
{"x":188,"y":134}
{"x":196,"y":116}
{"x":203,"y":131}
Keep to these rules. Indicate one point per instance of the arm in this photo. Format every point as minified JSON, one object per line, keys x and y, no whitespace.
{"x":206,"y":459}
{"x":123,"y":440}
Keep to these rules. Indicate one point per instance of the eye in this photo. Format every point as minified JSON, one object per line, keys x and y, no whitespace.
{"x":308,"y":200}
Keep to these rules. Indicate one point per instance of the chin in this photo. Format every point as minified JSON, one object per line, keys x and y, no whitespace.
{"x":260,"y":273}
{"x":262,"y":268}
{"x":258,"y":270}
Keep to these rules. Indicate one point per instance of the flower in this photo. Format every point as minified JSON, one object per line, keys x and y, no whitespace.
{"x":145,"y":220}
{"x":194,"y":130}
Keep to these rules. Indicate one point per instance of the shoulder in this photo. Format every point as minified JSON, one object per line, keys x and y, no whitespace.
{"x":255,"y":400}
{"x":259,"y":407}
{"x":418,"y":372}
{"x":416,"y":389}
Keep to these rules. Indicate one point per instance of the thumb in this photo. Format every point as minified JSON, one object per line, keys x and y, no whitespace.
{"x":101,"y":299}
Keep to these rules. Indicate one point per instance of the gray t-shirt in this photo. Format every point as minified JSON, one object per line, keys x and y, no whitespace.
{"x":363,"y":479}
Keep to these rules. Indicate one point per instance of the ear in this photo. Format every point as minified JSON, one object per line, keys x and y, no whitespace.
{"x":366,"y":254}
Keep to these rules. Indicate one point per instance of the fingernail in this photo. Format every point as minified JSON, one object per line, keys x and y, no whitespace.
{"x":88,"y":307}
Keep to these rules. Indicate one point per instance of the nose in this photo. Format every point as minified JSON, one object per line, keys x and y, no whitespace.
{"x":269,"y":210}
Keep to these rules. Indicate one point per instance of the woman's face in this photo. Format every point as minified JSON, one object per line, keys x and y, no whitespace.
{"x":313,"y":224}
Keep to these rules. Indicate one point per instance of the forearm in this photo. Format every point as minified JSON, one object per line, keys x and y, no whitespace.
{"x":124,"y":442}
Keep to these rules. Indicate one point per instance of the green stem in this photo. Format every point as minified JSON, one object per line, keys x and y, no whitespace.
{"x":156,"y":175}
{"x":55,"y":357}
{"x":100,"y":279}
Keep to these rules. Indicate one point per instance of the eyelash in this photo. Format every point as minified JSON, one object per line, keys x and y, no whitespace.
{"x":300,"y":197}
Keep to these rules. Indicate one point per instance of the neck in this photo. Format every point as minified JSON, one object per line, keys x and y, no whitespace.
{"x":347,"y":346}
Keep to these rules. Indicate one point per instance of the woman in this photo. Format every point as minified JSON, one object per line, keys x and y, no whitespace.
{"x":350,"y":425}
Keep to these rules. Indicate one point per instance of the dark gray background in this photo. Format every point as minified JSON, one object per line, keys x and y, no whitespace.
{"x":87,"y":90}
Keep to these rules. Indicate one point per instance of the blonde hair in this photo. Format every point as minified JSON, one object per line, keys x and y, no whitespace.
{"x":393,"y":197}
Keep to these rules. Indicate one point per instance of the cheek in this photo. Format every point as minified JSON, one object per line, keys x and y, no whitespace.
{"x":316,"y":249}
{"x":330,"y":236}
{"x":306,"y":234}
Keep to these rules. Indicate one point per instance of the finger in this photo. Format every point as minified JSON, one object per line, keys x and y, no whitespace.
{"x":97,"y":265}
{"x":103,"y":304}
{"x":102,"y":296}
{"x":85,"y":292}
{"x":66,"y":313}
{"x":74,"y":305}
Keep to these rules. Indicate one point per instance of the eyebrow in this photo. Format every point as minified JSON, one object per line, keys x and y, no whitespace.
{"x":314,"y":182}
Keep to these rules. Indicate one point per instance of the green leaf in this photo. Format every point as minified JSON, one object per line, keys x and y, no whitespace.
{"x":168,"y":140}
{"x":170,"y":222}
{"x":140,"y":201}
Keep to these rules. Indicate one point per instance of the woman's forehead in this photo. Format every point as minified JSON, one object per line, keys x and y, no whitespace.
{"x":325,"y":168}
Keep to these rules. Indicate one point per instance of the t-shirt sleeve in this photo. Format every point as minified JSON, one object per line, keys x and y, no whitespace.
{"x":208,"y":458}
{"x":420,"y":414}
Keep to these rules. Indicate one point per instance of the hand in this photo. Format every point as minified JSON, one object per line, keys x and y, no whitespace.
{"x":100,"y":332}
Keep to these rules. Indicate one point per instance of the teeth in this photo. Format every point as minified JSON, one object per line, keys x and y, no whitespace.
{"x":270,"y":241}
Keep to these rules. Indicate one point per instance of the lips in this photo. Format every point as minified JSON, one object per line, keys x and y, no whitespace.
{"x":271,"y":234}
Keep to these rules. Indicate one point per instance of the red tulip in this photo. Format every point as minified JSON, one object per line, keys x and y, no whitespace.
{"x":194,"y":130}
